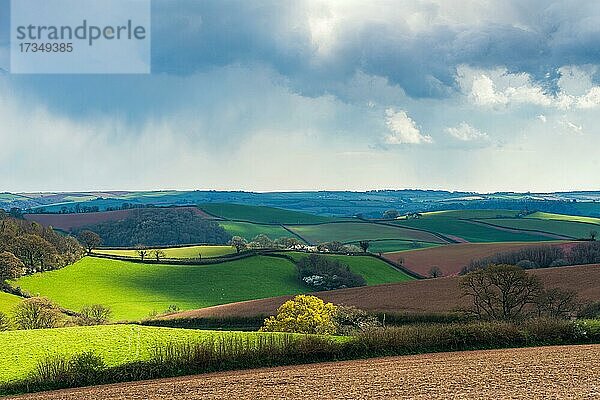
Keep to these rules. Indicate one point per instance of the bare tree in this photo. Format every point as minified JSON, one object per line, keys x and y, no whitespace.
{"x":593,"y":235}
{"x":158,"y":254}
{"x":142,"y":251}
{"x":435,"y":272}
{"x":556,"y":303}
{"x":364,"y":245}
{"x":501,"y":291}
{"x":90,"y":240}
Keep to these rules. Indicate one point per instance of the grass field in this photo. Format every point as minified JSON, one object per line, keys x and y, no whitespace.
{"x":474,"y":214}
{"x":176,"y":252}
{"x":116,"y":344}
{"x":372,"y":269}
{"x":393,"y":245}
{"x":135,"y":290}
{"x":249,"y":230}
{"x":7,"y":302}
{"x":562,"y":217}
{"x":470,"y":232}
{"x":576,"y":230}
{"x":353,"y":231}
{"x":267,"y":215}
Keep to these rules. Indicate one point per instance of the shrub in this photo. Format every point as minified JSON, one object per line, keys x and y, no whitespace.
{"x":350,"y":319}
{"x":527,"y":264}
{"x":303,"y":314}
{"x":59,"y":372}
{"x":4,"y":322}
{"x":590,"y":310}
{"x":323,"y":273}
{"x":96,"y":314}
{"x":36,"y":313}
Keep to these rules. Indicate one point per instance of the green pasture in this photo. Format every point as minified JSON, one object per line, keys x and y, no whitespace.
{"x":562,"y":217}
{"x":347,"y":232}
{"x":176,"y":252}
{"x":8,"y":302}
{"x":374,"y":271}
{"x":467,"y":230}
{"x":134,"y":290}
{"x":260,"y":214}
{"x":576,"y":230}
{"x":249,"y":230}
{"x":20,"y":351}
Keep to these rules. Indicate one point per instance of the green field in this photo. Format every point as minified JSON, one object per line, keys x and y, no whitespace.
{"x":576,"y":230}
{"x":562,"y":217}
{"x":176,"y":252}
{"x":467,"y":230}
{"x":133,"y":290}
{"x":7,"y":302}
{"x":474,"y":214}
{"x":393,"y":245}
{"x":249,"y":230}
{"x":116,"y":344}
{"x":347,"y":232}
{"x":267,"y":215}
{"x":374,"y":271}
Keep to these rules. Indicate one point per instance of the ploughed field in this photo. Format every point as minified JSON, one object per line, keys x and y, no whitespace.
{"x":527,"y":373}
{"x":450,"y":259}
{"x":440,"y":295}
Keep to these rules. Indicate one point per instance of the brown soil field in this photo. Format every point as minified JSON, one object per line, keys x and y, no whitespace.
{"x":557,"y":372}
{"x":68,"y":222}
{"x":452,"y":258}
{"x":440,"y":295}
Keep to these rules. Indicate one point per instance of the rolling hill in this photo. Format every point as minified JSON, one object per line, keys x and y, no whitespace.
{"x":440,"y":295}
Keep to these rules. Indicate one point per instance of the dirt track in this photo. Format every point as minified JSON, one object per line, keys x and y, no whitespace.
{"x":422,"y":296}
{"x":561,"y":372}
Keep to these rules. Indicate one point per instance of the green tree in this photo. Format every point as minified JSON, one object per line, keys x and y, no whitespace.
{"x":10,"y":267}
{"x":90,"y":240}
{"x":303,"y":314}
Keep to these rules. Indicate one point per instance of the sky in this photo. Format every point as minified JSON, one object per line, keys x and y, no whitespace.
{"x":322,"y":95}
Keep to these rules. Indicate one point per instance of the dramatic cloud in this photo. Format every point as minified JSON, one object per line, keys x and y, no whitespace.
{"x":403,"y":130}
{"x":319,"y":94}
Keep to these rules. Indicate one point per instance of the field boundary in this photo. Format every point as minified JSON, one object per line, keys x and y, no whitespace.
{"x":549,"y":234}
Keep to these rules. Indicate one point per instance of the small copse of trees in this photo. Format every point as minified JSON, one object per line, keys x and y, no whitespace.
{"x":324,"y":273}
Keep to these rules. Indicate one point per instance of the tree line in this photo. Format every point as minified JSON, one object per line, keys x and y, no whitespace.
{"x":159,"y":227}
{"x":27,"y":247}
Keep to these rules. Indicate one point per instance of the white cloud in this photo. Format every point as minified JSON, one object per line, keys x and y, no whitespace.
{"x":403,"y":130}
{"x":571,"y":127}
{"x":542,"y":118}
{"x":466,"y":132}
{"x":498,"y":87}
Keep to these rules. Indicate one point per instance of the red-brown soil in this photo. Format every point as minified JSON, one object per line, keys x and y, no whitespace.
{"x":557,"y":372}
{"x":423,"y":296}
{"x":68,"y":222}
{"x":452,"y":258}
